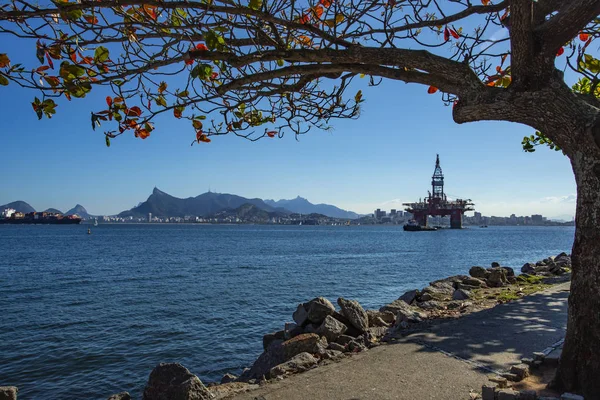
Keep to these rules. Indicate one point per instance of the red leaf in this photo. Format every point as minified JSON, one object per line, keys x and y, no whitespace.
{"x":454,"y":34}
{"x":201,"y":46}
{"x":73,"y":57}
{"x":325,"y":3}
{"x":42,"y":68}
{"x":583,"y":37}
{"x":271,"y":133}
{"x":432,"y":90}
{"x":201,"y":137}
{"x":49,"y":61}
{"x":560,"y":51}
{"x":214,"y":75}
{"x":177,"y":112}
{"x":134,"y":112}
{"x":149,"y":105}
{"x":142,"y":133}
{"x":446,"y":34}
{"x":318,"y":10}
{"x":189,"y":62}
{"x":485,"y":2}
{"x":109,"y":101}
{"x":305,"y":19}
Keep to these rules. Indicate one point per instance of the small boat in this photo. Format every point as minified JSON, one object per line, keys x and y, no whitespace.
{"x":96,"y":222}
{"x":413,"y":226}
{"x":89,"y":231}
{"x":483,"y":226}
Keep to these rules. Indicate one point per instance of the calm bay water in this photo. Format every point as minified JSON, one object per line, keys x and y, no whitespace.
{"x":85,"y":316}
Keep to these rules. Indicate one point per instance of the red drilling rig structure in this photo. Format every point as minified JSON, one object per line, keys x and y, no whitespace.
{"x":437,"y":203}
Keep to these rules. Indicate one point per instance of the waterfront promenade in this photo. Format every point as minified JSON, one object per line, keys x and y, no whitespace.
{"x":446,"y":361}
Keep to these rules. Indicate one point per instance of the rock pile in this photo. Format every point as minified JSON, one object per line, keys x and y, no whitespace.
{"x":558,"y":265}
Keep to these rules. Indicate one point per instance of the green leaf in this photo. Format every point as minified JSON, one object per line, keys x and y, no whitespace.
{"x":3,"y":80}
{"x":214,"y":41}
{"x":185,"y":93}
{"x":280,"y":63}
{"x":255,"y":4}
{"x":101,"y":55}
{"x":590,"y":63}
{"x":107,"y":140}
{"x":161,"y":101}
{"x":358,"y":96}
{"x":202,"y":71}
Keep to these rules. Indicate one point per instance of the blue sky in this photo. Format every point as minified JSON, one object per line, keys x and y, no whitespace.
{"x":383,"y":158}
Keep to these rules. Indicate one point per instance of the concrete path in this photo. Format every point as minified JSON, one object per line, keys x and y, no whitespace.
{"x":445,"y":362}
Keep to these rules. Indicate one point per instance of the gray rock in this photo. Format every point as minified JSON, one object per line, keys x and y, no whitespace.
{"x":467,"y":287}
{"x":410,"y":296}
{"x":439,"y":290}
{"x":497,"y":277}
{"x":8,"y":392}
{"x":509,"y":271}
{"x":268,"y":359}
{"x":474,"y":282}
{"x":431,"y":305}
{"x":300,"y":316}
{"x":495,"y":264}
{"x":488,"y":392}
{"x":376,"y":318}
{"x":409,"y":314}
{"x":528,"y":268}
{"x":511,"y":279}
{"x":507,"y":394}
{"x":571,"y":396}
{"x":527,"y":395}
{"x":332,"y":354}
{"x":336,"y":346}
{"x":527,"y":360}
{"x":299,"y":363}
{"x":228,"y":378}
{"x":311,"y":328}
{"x":501,"y":381}
{"x":306,"y":342}
{"x":377,"y":331}
{"x":451,"y":280}
{"x":461,"y":294}
{"x":454,"y":304}
{"x":426,"y":297}
{"x":269,"y":337}
{"x":356,"y":346}
{"x":172,"y":381}
{"x":344,"y":339}
{"x":521,"y":370}
{"x":478,"y":272}
{"x":352,"y":310}
{"x":318,"y":308}
{"x":118,"y":396}
{"x":331,"y":328}
{"x":226,"y":390}
{"x":511,"y":377}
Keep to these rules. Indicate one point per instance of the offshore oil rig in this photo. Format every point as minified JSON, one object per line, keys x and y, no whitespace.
{"x":437,"y":204}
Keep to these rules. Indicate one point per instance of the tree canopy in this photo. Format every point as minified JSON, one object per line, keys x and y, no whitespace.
{"x":259,"y":68}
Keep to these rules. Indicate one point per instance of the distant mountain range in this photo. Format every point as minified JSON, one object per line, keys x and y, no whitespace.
{"x":21,"y":206}
{"x":162,"y":204}
{"x":302,"y":206}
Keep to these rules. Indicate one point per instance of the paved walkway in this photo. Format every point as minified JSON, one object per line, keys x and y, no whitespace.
{"x":445,"y":362}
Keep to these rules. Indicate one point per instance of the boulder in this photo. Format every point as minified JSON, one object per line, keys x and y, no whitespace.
{"x":8,"y":392}
{"x":511,"y":279}
{"x":474,"y":282}
{"x":509,"y":271}
{"x":118,"y":396}
{"x":352,"y":310}
{"x":331,"y":328}
{"x":410,"y":296}
{"x":344,"y":339}
{"x":495,"y":264}
{"x":439,"y":290}
{"x":318,"y":308}
{"x":409,"y":314}
{"x":333,"y":354}
{"x":376,"y":318}
{"x":478,"y":272}
{"x":306,"y":342}
{"x":425,"y":297}
{"x":226,"y":390}
{"x":356,"y":346}
{"x":467,"y":287}
{"x":461,"y":294}
{"x":488,"y":391}
{"x":311,"y":328}
{"x":269,"y":337}
{"x":451,"y":280}
{"x":299,"y":363}
{"x":528,"y":268}
{"x":336,"y":346}
{"x":173,"y":381}
{"x":300,"y":316}
{"x":497,"y":277}
{"x":431,"y":305}
{"x":507,"y":394}
{"x":228,"y":378}
{"x":269,"y":358}
{"x":377,"y":332}
{"x":521,"y":370}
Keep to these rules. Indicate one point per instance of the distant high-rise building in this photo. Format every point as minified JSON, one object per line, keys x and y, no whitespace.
{"x":537,"y":219}
{"x":149,"y":217}
{"x":393,"y":211}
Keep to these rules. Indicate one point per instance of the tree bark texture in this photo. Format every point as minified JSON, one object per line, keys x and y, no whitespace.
{"x":579,"y":367}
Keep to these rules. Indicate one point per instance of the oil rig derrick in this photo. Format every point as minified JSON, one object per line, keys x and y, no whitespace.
{"x":436,"y":203}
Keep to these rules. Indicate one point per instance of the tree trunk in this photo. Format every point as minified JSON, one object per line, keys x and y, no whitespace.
{"x":579,"y":367}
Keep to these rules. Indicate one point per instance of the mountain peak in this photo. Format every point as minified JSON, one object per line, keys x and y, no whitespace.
{"x":157,"y":191}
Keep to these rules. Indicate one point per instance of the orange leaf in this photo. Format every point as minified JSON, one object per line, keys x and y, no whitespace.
{"x":150,"y":11}
{"x":177,"y":112}
{"x":109,"y":101}
{"x":49,"y":61}
{"x":201,"y":137}
{"x":583,"y":37}
{"x":271,"y":134}
{"x":325,"y":3}
{"x":42,"y":68}
{"x":4,"y":61}
{"x":90,"y":19}
{"x":118,"y":100}
{"x":485,"y":2}
{"x":491,"y":83}
{"x":305,"y":19}
{"x":201,"y":46}
{"x":432,"y":90}
{"x":454,"y":34}
{"x":133,"y":111}
{"x":560,"y":51}
{"x":189,"y":62}
{"x":142,"y":133}
{"x":318,"y":10}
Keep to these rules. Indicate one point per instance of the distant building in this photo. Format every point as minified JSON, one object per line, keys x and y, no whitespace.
{"x":149,"y":217}
{"x":8,"y":212}
{"x":392,"y":212}
{"x":537,"y":219}
{"x":379,"y":214}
